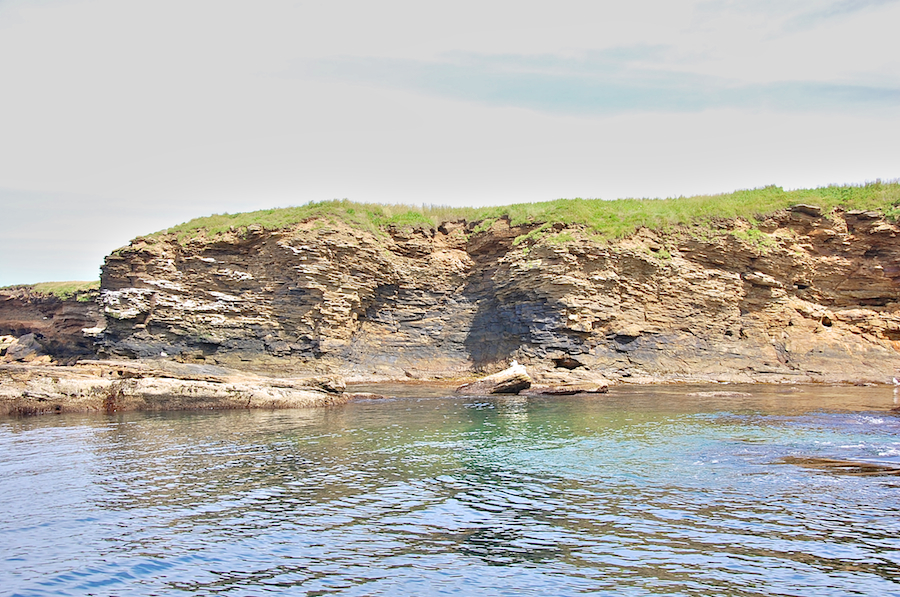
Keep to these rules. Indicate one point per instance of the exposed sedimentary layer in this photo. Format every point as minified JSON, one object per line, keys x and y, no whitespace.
{"x":35,"y":325}
{"x":808,"y":297}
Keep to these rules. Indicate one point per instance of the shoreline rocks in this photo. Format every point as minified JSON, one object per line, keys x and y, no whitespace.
{"x":162,"y":385}
{"x":113,"y":387}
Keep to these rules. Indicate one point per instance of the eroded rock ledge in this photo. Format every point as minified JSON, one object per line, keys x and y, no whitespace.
{"x":112,"y":387}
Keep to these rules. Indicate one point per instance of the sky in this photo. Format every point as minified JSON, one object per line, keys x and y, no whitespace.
{"x":122,"y":118}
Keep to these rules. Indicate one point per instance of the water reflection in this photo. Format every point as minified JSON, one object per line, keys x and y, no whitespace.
{"x":643,"y":491}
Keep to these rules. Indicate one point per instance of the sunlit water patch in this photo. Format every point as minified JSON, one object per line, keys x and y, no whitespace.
{"x":644,"y":491}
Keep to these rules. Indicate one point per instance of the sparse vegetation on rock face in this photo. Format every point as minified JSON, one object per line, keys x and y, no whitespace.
{"x":763,"y":285}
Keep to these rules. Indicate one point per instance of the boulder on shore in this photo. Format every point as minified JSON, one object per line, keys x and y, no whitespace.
{"x":509,"y":381}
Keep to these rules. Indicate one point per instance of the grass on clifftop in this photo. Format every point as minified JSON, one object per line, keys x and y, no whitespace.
{"x":63,"y":290}
{"x":611,"y":219}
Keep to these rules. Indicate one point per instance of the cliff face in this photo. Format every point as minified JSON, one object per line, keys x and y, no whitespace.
{"x":51,"y":326}
{"x":810,"y":298}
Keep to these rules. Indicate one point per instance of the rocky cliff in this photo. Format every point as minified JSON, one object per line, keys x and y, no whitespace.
{"x":40,"y":326}
{"x":805,"y":296}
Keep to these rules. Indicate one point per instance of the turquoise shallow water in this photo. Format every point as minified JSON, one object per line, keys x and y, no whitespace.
{"x":644,"y":491}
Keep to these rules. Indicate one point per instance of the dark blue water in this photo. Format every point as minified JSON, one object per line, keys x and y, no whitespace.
{"x":645,"y":491}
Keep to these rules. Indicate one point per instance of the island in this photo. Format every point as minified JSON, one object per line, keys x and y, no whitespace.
{"x":757,"y":286}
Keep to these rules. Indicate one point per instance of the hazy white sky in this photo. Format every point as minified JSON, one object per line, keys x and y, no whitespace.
{"x":122,"y":118}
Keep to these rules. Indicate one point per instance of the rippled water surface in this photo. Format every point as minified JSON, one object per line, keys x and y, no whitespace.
{"x":644,"y":491}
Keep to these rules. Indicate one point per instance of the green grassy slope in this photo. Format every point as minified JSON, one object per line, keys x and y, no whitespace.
{"x":63,"y":290}
{"x":610,"y":219}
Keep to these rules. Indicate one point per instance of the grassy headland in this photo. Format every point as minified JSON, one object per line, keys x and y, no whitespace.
{"x":82,"y":291}
{"x":610,"y":219}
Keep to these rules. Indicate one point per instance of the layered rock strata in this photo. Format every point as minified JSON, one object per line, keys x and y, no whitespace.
{"x":35,"y":325}
{"x":805,"y":297}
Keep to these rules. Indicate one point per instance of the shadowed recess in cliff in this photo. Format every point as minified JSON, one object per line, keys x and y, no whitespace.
{"x":521,"y":325}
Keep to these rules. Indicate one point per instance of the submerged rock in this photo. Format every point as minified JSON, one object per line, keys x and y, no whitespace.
{"x":566,"y":389}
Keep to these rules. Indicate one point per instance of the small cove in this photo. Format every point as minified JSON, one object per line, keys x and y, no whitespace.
{"x":671,"y":490}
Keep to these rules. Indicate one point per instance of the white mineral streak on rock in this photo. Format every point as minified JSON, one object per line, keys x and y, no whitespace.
{"x":225,"y":297}
{"x":295,"y":250}
{"x":196,"y":305}
{"x":761,"y":279}
{"x":127,"y":303}
{"x":234,"y":274}
{"x":166,"y":285}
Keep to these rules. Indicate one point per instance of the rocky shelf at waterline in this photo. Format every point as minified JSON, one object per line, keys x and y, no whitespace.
{"x":111,"y":387}
{"x":803,"y":294}
{"x":159,"y":385}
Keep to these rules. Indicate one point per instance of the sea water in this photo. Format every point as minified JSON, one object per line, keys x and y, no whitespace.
{"x":644,"y":491}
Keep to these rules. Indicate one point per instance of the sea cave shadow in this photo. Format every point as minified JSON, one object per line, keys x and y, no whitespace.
{"x":525,"y":324}
{"x":492,"y":338}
